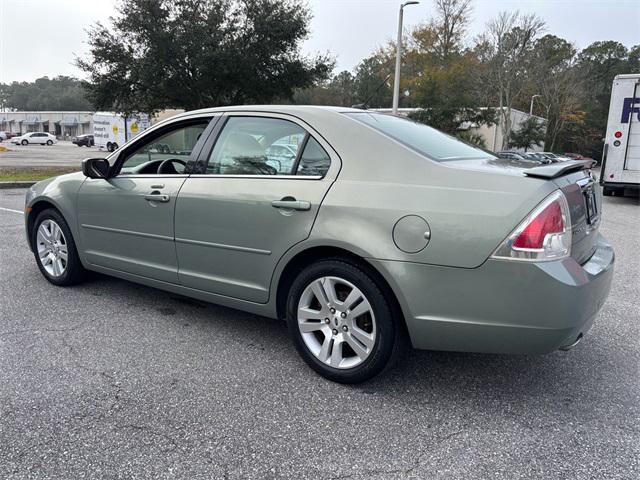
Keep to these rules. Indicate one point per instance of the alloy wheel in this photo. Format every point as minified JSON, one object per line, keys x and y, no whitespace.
{"x":337,"y":322}
{"x":52,"y":248}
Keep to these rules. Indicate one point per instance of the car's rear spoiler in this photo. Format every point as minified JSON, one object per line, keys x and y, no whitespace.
{"x":554,"y":170}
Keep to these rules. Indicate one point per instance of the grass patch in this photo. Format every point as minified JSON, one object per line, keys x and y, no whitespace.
{"x":19,"y":174}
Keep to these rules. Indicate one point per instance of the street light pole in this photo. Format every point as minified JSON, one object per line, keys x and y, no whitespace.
{"x":531,"y":107}
{"x":396,"y":80}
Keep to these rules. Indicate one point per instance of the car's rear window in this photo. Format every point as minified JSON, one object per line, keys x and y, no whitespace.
{"x":418,"y":136}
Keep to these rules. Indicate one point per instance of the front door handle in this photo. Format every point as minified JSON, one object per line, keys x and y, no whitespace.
{"x":292,"y":204}
{"x":156,"y":197}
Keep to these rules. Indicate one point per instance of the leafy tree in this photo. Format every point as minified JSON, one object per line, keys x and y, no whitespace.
{"x":192,"y":54}
{"x":530,"y":133}
{"x":557,"y":80}
{"x":599,"y":63}
{"x":472,"y":138}
{"x":445,"y":86}
{"x":339,"y":90}
{"x":449,"y":26}
{"x":371,"y":80}
{"x":59,"y":94}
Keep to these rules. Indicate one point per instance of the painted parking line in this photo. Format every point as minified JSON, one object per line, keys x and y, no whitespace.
{"x":11,"y":210}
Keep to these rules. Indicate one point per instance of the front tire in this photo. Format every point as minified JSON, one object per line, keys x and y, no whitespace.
{"x":49,"y":142}
{"x":24,"y":142}
{"x":55,"y":250}
{"x":341,"y":322}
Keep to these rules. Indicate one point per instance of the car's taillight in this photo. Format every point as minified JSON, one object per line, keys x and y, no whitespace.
{"x":544,"y":235}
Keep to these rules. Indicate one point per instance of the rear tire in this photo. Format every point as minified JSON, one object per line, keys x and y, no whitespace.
{"x":350,"y":338}
{"x":52,"y":240}
{"x":110,"y":147}
{"x":49,"y":142}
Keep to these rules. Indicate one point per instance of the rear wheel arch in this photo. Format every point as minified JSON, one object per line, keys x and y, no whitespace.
{"x":311,"y":255}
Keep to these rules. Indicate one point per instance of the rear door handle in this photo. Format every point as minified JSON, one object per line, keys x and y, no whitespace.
{"x":156,"y":197}
{"x":292,"y":204}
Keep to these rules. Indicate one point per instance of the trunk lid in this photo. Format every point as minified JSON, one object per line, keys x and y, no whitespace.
{"x":585,"y":205}
{"x":575,"y":181}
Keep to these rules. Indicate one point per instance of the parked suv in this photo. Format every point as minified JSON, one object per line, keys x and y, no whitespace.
{"x":83,"y":140}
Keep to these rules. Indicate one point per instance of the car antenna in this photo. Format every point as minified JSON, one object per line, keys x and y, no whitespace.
{"x":364,"y":105}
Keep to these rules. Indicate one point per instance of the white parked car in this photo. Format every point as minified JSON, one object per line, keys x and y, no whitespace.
{"x":42,"y":138}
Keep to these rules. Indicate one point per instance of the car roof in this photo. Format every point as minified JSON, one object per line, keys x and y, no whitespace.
{"x":301,"y":111}
{"x":278,"y":108}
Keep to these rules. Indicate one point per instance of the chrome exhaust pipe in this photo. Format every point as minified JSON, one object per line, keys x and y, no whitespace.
{"x":566,"y":348}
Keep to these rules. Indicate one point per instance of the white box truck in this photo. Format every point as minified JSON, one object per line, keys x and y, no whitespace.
{"x":112,"y":130}
{"x":621,"y":156}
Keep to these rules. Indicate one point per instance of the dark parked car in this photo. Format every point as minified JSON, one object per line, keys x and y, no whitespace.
{"x":83,"y":140}
{"x":538,"y":157}
{"x":511,"y":155}
{"x":8,"y":135}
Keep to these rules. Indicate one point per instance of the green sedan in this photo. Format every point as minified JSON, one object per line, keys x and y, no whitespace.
{"x":379,"y":229}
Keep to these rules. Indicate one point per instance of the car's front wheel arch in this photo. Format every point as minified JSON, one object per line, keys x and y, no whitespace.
{"x":36,"y":208}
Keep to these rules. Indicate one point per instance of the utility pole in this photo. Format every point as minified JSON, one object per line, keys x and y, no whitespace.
{"x":531,"y":107}
{"x":396,"y":80}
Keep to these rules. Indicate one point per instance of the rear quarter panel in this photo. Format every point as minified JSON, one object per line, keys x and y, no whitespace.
{"x":469,"y":212}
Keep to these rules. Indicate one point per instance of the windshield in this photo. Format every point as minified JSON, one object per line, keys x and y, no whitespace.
{"x":420,"y":137}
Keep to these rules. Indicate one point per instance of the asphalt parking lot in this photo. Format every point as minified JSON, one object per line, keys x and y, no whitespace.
{"x":62,"y":154}
{"x":114,"y":380}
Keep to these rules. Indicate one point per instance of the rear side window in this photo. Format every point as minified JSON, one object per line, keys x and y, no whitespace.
{"x":314,"y":160}
{"x":425,"y":140}
{"x":256,"y":146}
{"x":266,"y":146}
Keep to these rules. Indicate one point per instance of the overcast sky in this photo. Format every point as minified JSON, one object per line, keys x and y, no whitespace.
{"x":40,"y":37}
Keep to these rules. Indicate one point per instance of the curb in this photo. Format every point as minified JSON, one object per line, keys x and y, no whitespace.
{"x":25,"y":184}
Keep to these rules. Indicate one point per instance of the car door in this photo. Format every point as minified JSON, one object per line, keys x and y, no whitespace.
{"x":237,"y":217}
{"x":126,"y":222}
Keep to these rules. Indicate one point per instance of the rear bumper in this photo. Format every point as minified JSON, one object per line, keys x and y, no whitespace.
{"x":626,"y":185}
{"x":501,"y":306}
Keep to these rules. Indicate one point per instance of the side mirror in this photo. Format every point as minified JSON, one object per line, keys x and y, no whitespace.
{"x":95,"y":167}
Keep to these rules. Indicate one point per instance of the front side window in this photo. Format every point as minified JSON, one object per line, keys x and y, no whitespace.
{"x":428,"y":141}
{"x":256,"y":146}
{"x":165,"y":155}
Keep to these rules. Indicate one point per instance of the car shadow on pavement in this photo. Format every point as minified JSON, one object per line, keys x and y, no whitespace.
{"x":416,"y":373}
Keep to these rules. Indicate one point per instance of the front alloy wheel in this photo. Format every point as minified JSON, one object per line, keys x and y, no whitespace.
{"x":55,"y":250}
{"x":52,"y":248}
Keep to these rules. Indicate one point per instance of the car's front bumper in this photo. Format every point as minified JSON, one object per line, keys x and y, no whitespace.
{"x":501,"y":306}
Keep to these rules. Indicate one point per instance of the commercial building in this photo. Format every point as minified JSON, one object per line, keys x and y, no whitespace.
{"x":63,"y":125}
